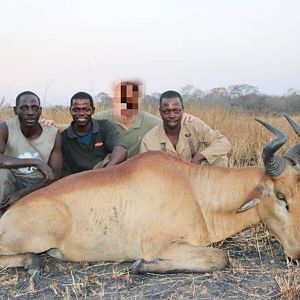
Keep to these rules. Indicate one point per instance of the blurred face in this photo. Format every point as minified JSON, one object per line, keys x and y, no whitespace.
{"x":126,"y":98}
{"x":81,"y":112}
{"x":28,"y":111}
{"x":171,"y":111}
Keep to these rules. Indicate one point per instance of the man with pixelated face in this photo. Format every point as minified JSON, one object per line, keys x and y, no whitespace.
{"x":129,"y":98}
{"x":132,"y":123}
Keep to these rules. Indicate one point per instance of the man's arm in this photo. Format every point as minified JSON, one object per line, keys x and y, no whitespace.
{"x":49,"y":123}
{"x":14,"y":197}
{"x":56,"y":158}
{"x":217,"y":144}
{"x":143,"y":147}
{"x":114,"y":141}
{"x":118,"y":155}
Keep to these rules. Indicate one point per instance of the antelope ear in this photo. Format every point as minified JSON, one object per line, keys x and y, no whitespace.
{"x":249,"y":204}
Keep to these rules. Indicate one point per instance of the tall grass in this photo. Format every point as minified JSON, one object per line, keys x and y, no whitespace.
{"x":247,"y":136}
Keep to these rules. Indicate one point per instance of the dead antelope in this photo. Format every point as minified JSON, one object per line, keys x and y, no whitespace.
{"x":158,"y":210}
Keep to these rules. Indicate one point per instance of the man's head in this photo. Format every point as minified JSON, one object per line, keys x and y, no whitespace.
{"x":171,"y":109}
{"x":126,"y":96}
{"x":82,"y":108}
{"x":28,"y":109}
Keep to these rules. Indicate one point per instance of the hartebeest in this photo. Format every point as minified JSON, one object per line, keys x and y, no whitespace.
{"x":156,"y":209}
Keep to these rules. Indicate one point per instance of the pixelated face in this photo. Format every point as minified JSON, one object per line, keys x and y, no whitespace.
{"x":81,"y":112}
{"x":171,"y":111}
{"x":28,"y":111}
{"x":126,"y":97}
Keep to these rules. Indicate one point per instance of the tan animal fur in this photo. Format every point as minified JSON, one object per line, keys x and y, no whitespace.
{"x":154,"y":208}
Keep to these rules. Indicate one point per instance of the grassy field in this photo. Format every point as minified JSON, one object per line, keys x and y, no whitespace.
{"x":259,"y":269}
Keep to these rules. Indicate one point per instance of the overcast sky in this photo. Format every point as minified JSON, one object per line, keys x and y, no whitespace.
{"x":58,"y":47}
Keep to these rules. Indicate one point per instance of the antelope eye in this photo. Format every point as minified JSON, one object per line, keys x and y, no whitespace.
{"x":280,"y":197}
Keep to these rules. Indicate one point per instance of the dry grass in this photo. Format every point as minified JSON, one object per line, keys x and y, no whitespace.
{"x":259,"y":269}
{"x":247,"y":136}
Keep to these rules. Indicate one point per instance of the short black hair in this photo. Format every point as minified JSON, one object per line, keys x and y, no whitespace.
{"x":81,"y":96}
{"x":26,"y":93}
{"x":170,"y":94}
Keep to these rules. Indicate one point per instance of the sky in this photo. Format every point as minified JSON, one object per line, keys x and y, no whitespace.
{"x":59,"y":47}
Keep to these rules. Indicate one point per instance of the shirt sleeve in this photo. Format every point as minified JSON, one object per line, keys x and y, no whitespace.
{"x":112,"y":137}
{"x":217,"y":144}
{"x":143,"y":147}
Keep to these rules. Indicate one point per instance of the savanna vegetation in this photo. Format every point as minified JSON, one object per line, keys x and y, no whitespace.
{"x":259,"y":269}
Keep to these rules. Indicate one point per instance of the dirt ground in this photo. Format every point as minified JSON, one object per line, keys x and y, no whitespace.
{"x":259,"y":270}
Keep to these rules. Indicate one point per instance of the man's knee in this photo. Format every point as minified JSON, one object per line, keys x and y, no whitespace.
{"x":220,"y":162}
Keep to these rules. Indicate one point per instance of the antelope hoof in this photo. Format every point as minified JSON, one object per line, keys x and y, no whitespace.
{"x":135,"y":266}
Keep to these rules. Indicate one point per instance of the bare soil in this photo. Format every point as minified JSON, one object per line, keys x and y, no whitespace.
{"x":259,"y":270}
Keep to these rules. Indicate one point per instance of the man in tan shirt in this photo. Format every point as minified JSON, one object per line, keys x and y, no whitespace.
{"x":195,"y":141}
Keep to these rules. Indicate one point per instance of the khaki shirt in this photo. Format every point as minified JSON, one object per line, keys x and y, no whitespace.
{"x":196,"y":136}
{"x":133,"y":135}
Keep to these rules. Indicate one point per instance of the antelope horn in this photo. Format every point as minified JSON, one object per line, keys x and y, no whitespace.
{"x":274,"y":165}
{"x":293,"y":154}
{"x":294,"y":125}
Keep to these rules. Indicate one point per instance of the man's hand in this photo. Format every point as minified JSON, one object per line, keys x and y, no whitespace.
{"x":46,"y":171}
{"x":187,"y":118}
{"x":47,"y":123}
{"x":11,"y":199}
{"x":198,"y":158}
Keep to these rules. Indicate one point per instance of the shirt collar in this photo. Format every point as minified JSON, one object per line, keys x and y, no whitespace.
{"x":71,"y":133}
{"x":163,"y":138}
{"x":137,"y":122}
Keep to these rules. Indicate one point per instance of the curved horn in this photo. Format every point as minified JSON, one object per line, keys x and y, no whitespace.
{"x":294,"y":125}
{"x":293,"y":154}
{"x":274,"y":165}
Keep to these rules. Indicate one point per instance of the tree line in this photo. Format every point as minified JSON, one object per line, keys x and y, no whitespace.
{"x":242,"y":98}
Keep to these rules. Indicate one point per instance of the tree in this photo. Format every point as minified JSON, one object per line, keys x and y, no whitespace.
{"x":103,"y":98}
{"x":241,"y":90}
